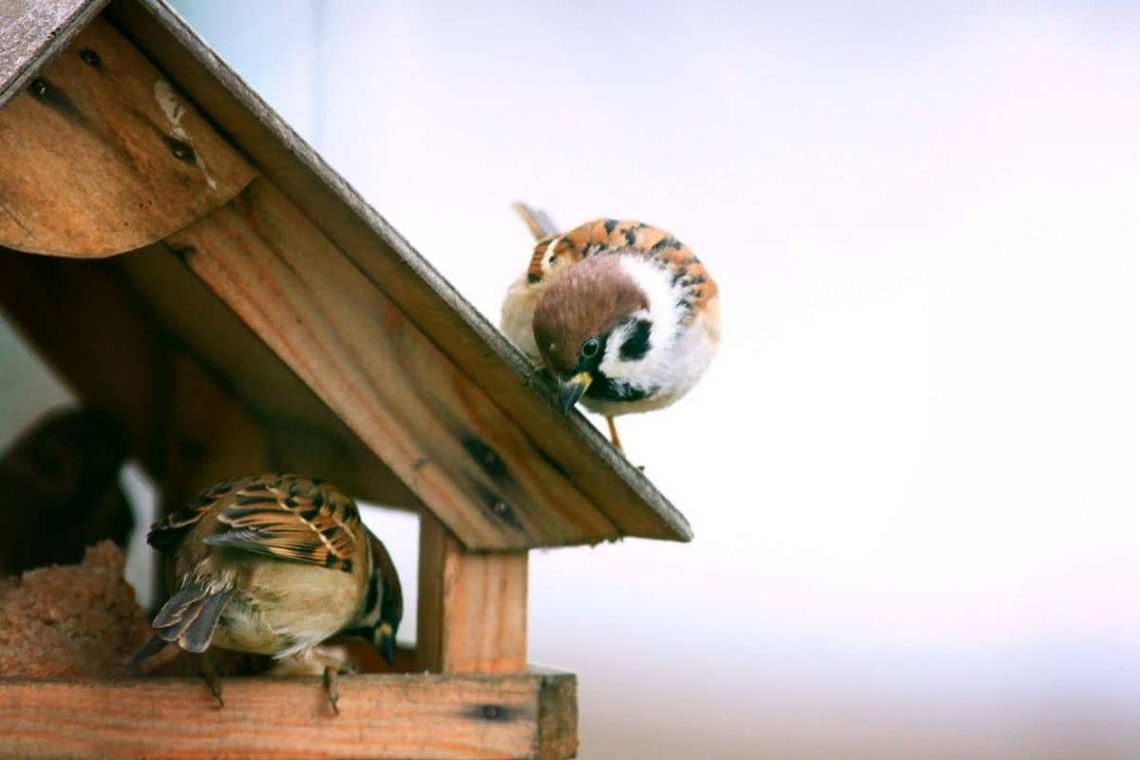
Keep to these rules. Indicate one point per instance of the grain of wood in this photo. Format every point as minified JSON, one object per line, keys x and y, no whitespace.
{"x":420,"y":413}
{"x":472,"y":607}
{"x":402,"y":716}
{"x":141,"y":336}
{"x":101,"y":154}
{"x":33,"y":31}
{"x":588,"y":460}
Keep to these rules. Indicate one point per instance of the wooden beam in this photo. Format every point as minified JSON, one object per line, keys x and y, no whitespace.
{"x":365,"y":358}
{"x":603,"y":475}
{"x":97,"y":324}
{"x":446,"y":717}
{"x":472,"y":607}
{"x":101,"y":154}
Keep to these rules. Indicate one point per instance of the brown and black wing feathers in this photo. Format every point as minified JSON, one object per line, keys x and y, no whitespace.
{"x":290,"y":518}
{"x":170,"y":530}
{"x":604,"y":236}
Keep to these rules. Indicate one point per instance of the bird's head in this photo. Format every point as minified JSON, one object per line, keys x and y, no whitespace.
{"x":592,"y":327}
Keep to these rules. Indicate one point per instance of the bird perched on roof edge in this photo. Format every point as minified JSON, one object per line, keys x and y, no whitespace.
{"x":622,"y":314}
{"x":275,"y":564}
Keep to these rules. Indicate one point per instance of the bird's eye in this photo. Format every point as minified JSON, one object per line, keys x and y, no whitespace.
{"x":590,"y":348}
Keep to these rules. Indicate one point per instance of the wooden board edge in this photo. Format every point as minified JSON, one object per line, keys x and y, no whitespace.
{"x":50,"y":46}
{"x":523,"y":715}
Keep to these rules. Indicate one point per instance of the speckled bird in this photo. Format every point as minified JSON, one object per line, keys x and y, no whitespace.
{"x":275,"y":564}
{"x":622,"y":314}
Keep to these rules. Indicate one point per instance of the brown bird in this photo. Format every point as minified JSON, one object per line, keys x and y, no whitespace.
{"x":276,"y":565}
{"x":59,"y":490}
{"x":622,"y":314}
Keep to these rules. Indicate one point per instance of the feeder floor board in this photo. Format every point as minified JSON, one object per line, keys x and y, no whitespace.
{"x":521,"y":715}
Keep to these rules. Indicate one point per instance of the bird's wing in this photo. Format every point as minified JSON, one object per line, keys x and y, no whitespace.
{"x":603,"y":236}
{"x":170,"y":530}
{"x":281,"y":516}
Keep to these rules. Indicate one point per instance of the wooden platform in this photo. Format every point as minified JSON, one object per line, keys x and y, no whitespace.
{"x":526,"y":715}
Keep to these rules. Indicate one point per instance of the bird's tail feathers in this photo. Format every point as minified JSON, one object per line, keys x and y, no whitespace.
{"x":188,"y":617}
{"x":537,"y":220}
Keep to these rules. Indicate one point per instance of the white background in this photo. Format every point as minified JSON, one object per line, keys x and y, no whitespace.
{"x":912,"y":469}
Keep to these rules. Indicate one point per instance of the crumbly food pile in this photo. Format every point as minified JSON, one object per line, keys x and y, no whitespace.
{"x":73,"y":620}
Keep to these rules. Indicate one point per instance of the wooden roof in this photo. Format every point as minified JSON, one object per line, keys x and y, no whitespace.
{"x":217,"y":285}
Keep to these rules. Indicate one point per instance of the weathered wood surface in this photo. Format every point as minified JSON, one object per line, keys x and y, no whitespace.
{"x":116,"y":331}
{"x":630,"y":504}
{"x":101,"y":154}
{"x":32,"y":32}
{"x":419,"y":412}
{"x":526,"y":715}
{"x":472,"y":607}
{"x":603,"y":475}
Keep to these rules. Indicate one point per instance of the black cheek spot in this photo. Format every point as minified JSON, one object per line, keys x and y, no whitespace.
{"x":610,"y":225}
{"x":637,"y":345}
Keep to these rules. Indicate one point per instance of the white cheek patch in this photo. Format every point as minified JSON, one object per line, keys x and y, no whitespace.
{"x":663,"y":315}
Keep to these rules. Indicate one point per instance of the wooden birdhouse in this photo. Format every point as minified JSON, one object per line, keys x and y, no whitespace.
{"x":184,"y":260}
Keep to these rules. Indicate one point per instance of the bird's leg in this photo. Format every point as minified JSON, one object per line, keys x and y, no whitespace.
{"x":331,"y":688}
{"x":213,"y":680}
{"x":613,"y":434}
{"x":326,"y":661}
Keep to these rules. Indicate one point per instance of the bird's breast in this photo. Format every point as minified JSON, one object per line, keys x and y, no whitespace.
{"x":281,"y":608}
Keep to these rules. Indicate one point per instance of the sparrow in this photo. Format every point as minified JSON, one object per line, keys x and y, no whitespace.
{"x":622,"y":314}
{"x":60,"y":492}
{"x":275,"y":564}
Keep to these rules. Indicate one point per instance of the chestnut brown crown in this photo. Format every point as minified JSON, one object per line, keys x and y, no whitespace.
{"x":588,"y":301}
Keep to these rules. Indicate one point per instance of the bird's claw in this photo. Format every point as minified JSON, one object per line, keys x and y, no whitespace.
{"x":331,"y":688}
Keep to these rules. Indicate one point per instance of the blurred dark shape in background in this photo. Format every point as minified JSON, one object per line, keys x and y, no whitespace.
{"x":60,"y":492}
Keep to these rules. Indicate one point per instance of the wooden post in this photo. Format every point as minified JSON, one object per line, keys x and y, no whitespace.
{"x":472,"y":606}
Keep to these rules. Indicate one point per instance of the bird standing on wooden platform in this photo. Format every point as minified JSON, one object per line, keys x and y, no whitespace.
{"x":622,"y":314}
{"x":276,"y":565}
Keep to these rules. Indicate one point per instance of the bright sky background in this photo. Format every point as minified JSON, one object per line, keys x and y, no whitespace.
{"x":912,"y":469}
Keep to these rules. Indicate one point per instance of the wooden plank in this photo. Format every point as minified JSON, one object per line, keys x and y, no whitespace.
{"x":302,"y":433}
{"x":33,"y":32}
{"x":100,"y":154}
{"x":472,"y":607}
{"x":602,"y":475}
{"x":420,"y":413}
{"x":389,"y":716}
{"x":96,"y":324}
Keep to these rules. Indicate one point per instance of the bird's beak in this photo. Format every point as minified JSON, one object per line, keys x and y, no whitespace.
{"x":571,"y":390}
{"x":386,"y":643}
